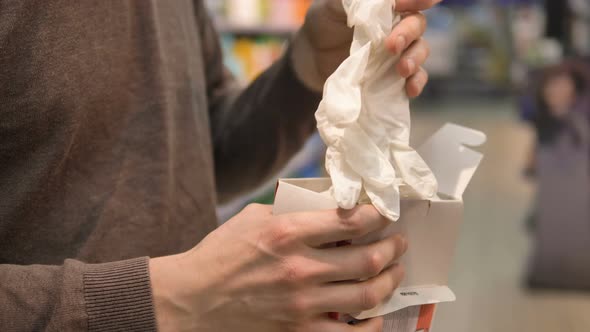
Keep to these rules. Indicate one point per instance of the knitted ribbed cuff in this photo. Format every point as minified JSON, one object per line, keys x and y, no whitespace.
{"x":119,"y":297}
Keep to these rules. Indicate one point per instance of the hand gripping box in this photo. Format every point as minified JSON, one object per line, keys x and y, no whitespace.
{"x":431,"y":226}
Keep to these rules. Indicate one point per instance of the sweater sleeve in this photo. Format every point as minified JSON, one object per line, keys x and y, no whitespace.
{"x":77,"y":297}
{"x":257,"y":129}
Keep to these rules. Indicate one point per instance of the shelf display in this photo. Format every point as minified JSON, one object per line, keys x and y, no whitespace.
{"x":240,"y":16}
{"x":247,"y":57}
{"x":254,"y":34}
{"x":255,"y":31}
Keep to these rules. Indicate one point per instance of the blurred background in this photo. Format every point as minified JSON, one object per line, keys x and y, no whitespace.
{"x":518,"y":71}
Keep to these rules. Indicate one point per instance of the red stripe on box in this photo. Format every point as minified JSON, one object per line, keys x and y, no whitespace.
{"x":425,"y":318}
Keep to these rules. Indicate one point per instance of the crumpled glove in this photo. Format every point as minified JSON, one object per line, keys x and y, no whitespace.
{"x":364,"y":119}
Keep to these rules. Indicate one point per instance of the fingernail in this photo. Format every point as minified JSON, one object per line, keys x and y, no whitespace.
{"x":419,"y":86}
{"x":400,"y":44}
{"x":404,"y":243}
{"x":411,"y":66}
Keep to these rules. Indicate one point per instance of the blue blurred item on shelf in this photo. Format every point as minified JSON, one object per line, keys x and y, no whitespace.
{"x":471,"y":53}
{"x":230,"y":61}
{"x":247,"y":57}
{"x":442,"y":37}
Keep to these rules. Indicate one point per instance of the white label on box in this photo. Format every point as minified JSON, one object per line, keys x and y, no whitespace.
{"x":408,"y":297}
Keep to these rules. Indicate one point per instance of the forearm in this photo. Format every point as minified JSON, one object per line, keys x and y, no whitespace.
{"x":77,"y":297}
{"x":262,"y":128}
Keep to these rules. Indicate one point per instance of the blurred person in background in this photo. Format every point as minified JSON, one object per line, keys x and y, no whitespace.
{"x":120,"y":130}
{"x":561,"y":224}
{"x":563,"y":103}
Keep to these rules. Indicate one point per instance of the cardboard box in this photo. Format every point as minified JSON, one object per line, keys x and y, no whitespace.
{"x":431,"y":226}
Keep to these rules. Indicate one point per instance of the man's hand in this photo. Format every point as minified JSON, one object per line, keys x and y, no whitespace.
{"x":325,"y":42}
{"x":260,"y":272}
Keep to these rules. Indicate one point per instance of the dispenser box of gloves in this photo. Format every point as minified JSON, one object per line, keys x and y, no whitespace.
{"x":430,"y":225}
{"x":364,"y":119}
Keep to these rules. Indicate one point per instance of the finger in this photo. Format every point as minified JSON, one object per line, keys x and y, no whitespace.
{"x":370,"y":325}
{"x":413,"y":58}
{"x":416,"y":83}
{"x":353,"y":297}
{"x":325,"y":324}
{"x":414,"y":5}
{"x":358,"y":262}
{"x":410,"y":29}
{"x":330,"y":226}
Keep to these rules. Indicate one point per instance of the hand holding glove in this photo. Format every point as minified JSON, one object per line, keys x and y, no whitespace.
{"x":324,"y":42}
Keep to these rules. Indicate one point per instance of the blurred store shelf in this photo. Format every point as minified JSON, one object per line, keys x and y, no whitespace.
{"x":494,"y":245}
{"x":254,"y":33}
{"x":274,"y":30}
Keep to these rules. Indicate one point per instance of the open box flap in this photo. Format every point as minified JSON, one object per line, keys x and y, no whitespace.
{"x":449,"y":158}
{"x":303,"y":195}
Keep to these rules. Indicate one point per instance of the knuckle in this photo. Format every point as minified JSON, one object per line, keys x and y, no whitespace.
{"x":374,"y":263}
{"x":298,"y":306}
{"x":419,"y":79}
{"x":397,"y":245}
{"x":354,"y":225}
{"x":253,"y":208}
{"x":280,"y":234}
{"x":292,"y":273}
{"x":416,"y":21}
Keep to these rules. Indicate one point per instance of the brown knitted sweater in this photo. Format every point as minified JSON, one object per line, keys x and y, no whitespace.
{"x":119,"y":130}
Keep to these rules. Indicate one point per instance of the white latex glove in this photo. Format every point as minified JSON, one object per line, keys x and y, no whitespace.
{"x":324,"y":42}
{"x":364,"y":118}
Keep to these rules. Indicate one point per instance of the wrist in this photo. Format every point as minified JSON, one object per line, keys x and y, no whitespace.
{"x":167,"y":276}
{"x":302,"y":57}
